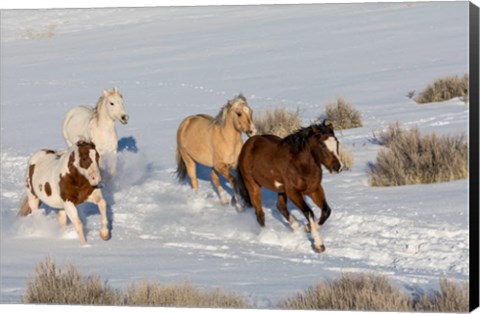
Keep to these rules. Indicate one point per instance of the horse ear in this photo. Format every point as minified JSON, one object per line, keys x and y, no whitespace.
{"x":328,"y":124}
{"x":115,"y":89}
{"x":105,"y":93}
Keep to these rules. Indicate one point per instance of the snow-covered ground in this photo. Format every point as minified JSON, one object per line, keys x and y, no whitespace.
{"x":171,"y":62}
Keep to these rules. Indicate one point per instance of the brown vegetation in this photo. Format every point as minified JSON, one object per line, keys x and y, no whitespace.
{"x":367,"y":292}
{"x":444,"y":89}
{"x":342,"y":114}
{"x":279,"y":121}
{"x":413,"y":158}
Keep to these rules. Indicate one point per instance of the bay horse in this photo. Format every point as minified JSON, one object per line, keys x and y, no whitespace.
{"x":292,"y":167}
{"x":97,"y":125}
{"x":64,"y":179}
{"x":214,"y":142}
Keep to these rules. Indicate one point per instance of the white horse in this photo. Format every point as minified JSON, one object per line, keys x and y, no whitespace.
{"x":64,"y":179}
{"x":97,"y":125}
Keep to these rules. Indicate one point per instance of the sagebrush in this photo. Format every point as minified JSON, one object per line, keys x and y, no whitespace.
{"x":369,"y":292}
{"x":351,"y":292}
{"x":445,"y":88}
{"x":279,"y":121}
{"x":412,"y":158}
{"x":343,"y":114}
{"x":53,"y":285}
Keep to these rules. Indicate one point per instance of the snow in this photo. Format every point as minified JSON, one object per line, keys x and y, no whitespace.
{"x":172,"y":62}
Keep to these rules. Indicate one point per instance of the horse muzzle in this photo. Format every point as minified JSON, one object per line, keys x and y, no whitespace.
{"x":251,"y":132}
{"x":337,"y":168}
{"x":124,"y":119}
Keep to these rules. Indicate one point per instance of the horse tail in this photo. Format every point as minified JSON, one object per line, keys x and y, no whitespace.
{"x":25,"y":209}
{"x":181,"y":168}
{"x":241,"y":190}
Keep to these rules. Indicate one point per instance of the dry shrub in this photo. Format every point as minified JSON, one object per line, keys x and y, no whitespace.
{"x":375,"y":293}
{"x":48,"y":32}
{"x":413,"y":158}
{"x":444,"y":89}
{"x":154,"y":294}
{"x":53,"y":285}
{"x":342,"y":114}
{"x":351,"y":292}
{"x":452,"y":297}
{"x":346,"y":158}
{"x":279,"y":121}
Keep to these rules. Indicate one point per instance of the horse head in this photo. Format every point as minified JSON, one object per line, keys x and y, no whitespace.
{"x":85,"y":159}
{"x":242,"y":115}
{"x":113,"y":104}
{"x":326,"y":146}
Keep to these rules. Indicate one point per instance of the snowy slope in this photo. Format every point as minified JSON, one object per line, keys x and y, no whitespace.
{"x":173,"y":62}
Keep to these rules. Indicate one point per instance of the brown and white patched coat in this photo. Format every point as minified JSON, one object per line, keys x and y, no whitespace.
{"x":64,"y":179}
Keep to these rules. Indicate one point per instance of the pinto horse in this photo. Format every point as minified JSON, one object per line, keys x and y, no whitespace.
{"x":97,"y":125}
{"x":214,"y":142}
{"x":292,"y":168}
{"x":63,"y":179}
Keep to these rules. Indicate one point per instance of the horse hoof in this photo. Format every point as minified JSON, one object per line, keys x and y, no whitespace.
{"x":319,"y":248}
{"x":105,"y":235}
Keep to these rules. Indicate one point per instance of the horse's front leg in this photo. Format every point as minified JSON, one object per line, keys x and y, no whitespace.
{"x":297,"y":199}
{"x":97,"y":198}
{"x":318,"y":197}
{"x":72,"y":213}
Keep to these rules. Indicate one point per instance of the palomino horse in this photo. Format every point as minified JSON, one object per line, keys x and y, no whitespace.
{"x":63,"y":179}
{"x":214,"y":142}
{"x":97,"y":125}
{"x":292,"y":168}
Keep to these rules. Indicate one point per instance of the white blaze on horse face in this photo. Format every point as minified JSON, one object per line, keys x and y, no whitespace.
{"x":332,"y":146}
{"x":92,"y":173}
{"x":277,"y":184}
{"x":252,"y":131}
{"x":94,"y":176}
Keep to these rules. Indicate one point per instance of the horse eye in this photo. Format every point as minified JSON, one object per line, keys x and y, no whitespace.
{"x":112,"y":104}
{"x":239,"y":114}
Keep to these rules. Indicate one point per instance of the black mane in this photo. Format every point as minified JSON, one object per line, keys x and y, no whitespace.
{"x":298,"y":140}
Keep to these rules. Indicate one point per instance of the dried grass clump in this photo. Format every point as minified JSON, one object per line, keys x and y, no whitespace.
{"x":53,"y":285}
{"x":342,"y":114}
{"x":48,"y":32}
{"x":154,"y":294}
{"x":413,"y":158}
{"x":351,"y":292}
{"x":279,"y":121}
{"x":452,"y":297}
{"x":444,"y":89}
{"x":375,"y":293}
{"x":346,"y":158}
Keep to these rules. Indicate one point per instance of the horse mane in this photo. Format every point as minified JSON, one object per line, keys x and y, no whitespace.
{"x":101,"y":101}
{"x":298,"y":141}
{"x":98,"y":106}
{"x":222,"y":114}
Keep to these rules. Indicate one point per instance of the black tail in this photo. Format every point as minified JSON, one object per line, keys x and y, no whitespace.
{"x":181,"y":168}
{"x":241,"y":190}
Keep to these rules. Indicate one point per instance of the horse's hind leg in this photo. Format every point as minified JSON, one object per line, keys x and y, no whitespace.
{"x":282,"y":207}
{"x":218,"y":185}
{"x":191,"y":170}
{"x":318,"y":197}
{"x":62,"y":217}
{"x":256,"y":198}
